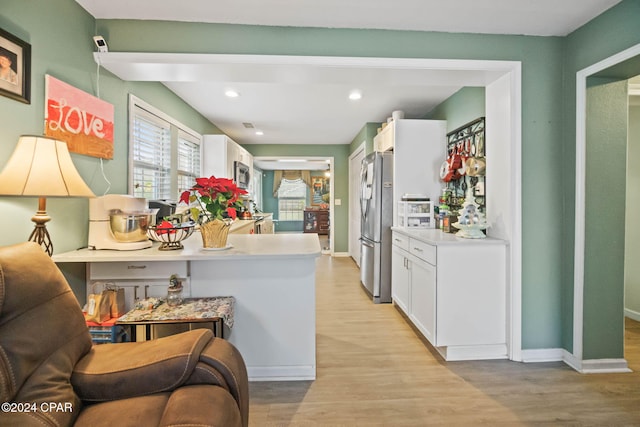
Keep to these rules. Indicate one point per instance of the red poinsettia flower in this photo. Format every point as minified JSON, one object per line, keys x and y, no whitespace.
{"x":212,"y":198}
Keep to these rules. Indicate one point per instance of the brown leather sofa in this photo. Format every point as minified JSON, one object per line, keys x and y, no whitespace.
{"x":51,"y":375}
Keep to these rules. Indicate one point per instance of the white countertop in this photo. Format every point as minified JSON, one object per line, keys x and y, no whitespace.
{"x":244,"y":246}
{"x":438,"y":237}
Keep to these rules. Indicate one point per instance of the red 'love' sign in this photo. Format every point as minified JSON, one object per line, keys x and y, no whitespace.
{"x":83,"y":121}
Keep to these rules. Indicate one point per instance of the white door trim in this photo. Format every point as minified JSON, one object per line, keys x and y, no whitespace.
{"x":581,"y":143}
{"x":352,"y":193}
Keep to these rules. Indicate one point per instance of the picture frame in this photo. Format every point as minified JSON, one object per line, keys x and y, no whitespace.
{"x":320,"y":190}
{"x":15,"y":67}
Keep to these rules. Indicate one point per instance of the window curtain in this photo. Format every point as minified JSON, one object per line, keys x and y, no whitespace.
{"x":290,"y":175}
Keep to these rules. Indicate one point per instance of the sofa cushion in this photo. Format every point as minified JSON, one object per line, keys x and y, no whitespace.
{"x":202,"y":406}
{"x":133,"y":412}
{"x":125,"y":370}
{"x":42,"y":333}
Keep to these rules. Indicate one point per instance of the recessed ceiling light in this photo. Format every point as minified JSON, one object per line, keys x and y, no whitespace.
{"x":259,"y":133}
{"x":231,"y":93}
{"x":354,"y":95}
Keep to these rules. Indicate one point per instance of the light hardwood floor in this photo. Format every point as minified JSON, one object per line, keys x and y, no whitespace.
{"x":373,"y":370}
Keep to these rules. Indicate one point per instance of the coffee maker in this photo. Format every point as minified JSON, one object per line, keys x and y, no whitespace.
{"x":101,"y":235}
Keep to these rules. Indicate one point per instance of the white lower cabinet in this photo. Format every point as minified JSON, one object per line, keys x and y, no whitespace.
{"x":453,"y":291}
{"x":423,"y":298}
{"x":400,"y":278}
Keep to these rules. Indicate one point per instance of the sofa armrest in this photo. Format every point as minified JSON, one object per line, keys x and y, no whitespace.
{"x":222,"y":364}
{"x":118,"y":371}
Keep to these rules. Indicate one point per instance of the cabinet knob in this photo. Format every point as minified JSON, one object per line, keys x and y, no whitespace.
{"x":418,"y":249}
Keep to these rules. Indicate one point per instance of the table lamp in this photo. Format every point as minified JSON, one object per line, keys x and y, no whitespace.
{"x":42,"y":167}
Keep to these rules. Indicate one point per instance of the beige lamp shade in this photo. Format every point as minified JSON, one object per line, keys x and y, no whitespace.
{"x":42,"y":167}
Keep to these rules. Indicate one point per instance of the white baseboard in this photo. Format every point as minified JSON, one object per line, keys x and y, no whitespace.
{"x":473,"y":352}
{"x":281,"y":373}
{"x":604,"y":366}
{"x":341,"y":254}
{"x":632,"y":314}
{"x":593,"y":366}
{"x":543,"y":355}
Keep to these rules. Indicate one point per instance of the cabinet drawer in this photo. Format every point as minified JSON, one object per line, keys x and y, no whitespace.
{"x":423,"y":251}
{"x":401,"y":241}
{"x":137,"y":270}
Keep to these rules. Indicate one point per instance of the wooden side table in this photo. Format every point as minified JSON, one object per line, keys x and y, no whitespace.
{"x":153,"y":311}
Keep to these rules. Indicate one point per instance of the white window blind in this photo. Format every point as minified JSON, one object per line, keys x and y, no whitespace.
{"x":165,"y":155}
{"x":151,"y":156}
{"x":292,"y":198}
{"x":188,"y":161}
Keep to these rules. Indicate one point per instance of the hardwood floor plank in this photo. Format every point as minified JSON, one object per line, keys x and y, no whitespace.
{"x":374,"y":370}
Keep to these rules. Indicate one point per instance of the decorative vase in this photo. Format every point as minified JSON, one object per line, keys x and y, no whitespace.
{"x":214,"y":233}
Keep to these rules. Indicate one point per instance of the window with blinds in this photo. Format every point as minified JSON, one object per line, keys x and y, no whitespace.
{"x":292,"y":198}
{"x":188,"y":168}
{"x":165,"y":155}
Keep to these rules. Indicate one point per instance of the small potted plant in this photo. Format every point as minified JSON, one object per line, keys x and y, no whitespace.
{"x":213,"y":204}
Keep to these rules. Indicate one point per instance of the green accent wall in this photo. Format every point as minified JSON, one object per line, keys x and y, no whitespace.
{"x":60,"y":33}
{"x":61,"y":36}
{"x":612,"y":32}
{"x":366,"y":135}
{"x":461,"y":108}
{"x":632,"y":227}
{"x":606,"y":153}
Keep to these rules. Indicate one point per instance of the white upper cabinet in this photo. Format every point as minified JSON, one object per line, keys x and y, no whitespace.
{"x":219,"y":154}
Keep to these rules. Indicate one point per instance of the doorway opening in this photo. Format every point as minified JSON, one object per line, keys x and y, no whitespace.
{"x":589,"y":262}
{"x":310,"y":210}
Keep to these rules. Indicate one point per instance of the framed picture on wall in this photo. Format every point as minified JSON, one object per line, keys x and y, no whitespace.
{"x":78,"y":118}
{"x":15,"y":68}
{"x":320,"y":190}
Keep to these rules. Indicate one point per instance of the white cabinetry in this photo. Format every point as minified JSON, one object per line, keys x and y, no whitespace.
{"x":384,"y":140}
{"x":419,"y":148}
{"x":453,"y":290}
{"x":138,"y":279}
{"x":423,"y":298}
{"x":400,"y":272}
{"x":219,"y":154}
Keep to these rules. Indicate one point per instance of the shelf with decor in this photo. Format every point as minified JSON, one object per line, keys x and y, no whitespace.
{"x":466,"y":163}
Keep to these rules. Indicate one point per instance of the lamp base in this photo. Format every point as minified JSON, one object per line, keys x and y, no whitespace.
{"x":40,"y":235}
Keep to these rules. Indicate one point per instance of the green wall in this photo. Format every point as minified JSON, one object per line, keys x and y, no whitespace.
{"x":632,"y":227}
{"x":606,"y":147}
{"x":549,"y":65}
{"x":60,"y":33}
{"x":461,"y":108}
{"x":366,"y":135}
{"x":610,"y":33}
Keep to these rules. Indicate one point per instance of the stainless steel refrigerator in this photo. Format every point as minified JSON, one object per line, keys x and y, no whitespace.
{"x":376,"y":206}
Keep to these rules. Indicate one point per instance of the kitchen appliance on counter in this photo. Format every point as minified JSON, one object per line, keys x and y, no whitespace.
{"x":166,"y":208}
{"x":376,"y":205}
{"x":119,"y":222}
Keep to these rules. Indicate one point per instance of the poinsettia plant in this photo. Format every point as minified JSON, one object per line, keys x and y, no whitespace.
{"x":213,"y":198}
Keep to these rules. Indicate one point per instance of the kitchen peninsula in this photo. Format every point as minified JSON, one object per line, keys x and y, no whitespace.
{"x":271,"y":276}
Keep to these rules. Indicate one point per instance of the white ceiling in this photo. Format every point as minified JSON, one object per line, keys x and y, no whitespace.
{"x":306,"y":103}
{"x":529,"y":17}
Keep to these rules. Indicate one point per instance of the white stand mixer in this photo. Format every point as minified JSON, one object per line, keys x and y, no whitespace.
{"x":100,"y":209}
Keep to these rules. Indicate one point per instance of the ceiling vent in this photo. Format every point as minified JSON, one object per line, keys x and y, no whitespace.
{"x":248,"y":125}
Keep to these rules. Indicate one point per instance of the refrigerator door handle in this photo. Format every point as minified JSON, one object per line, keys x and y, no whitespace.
{"x":365,"y":243}
{"x":363,"y":190}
